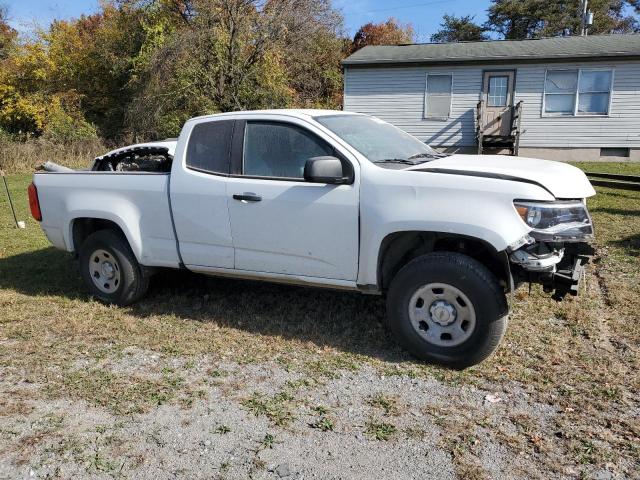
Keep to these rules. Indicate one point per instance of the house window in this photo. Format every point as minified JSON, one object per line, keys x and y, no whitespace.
{"x":577,"y":92}
{"x":438,"y":97}
{"x":594,"y":92}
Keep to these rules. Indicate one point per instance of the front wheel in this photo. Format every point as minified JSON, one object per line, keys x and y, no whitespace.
{"x":110,"y":269}
{"x":447,"y":308}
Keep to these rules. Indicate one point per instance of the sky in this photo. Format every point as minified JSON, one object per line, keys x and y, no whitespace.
{"x":424,"y":15}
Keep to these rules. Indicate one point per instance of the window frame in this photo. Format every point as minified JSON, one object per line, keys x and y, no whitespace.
{"x":238,"y":142}
{"x":229,"y":152}
{"x":576,"y":94}
{"x":426,"y":114}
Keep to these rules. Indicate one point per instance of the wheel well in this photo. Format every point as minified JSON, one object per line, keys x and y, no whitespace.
{"x":83,"y":227}
{"x":400,"y":248}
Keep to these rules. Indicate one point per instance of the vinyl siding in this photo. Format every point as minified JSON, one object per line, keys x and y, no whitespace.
{"x":396,"y":94}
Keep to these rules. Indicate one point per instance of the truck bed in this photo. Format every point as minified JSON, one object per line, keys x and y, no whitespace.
{"x":138,"y":202}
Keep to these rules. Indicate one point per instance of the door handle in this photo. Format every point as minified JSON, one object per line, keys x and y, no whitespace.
{"x":247,"y":197}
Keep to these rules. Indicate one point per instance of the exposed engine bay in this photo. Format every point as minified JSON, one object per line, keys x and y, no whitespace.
{"x":135,"y":159}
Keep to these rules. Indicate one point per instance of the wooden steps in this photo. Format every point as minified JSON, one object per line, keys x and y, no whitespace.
{"x":504,"y":142}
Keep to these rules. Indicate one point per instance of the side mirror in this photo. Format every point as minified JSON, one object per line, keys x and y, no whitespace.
{"x":324,"y":170}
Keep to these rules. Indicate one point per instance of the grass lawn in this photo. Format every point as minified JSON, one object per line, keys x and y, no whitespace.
{"x":569,"y":369}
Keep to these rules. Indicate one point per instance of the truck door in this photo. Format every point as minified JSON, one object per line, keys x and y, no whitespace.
{"x":198,"y":195}
{"x":282,"y":224}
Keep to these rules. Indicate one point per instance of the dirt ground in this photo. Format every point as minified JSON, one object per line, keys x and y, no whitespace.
{"x":212,"y":378}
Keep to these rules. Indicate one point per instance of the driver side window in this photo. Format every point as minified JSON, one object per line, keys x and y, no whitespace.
{"x":273,"y":149}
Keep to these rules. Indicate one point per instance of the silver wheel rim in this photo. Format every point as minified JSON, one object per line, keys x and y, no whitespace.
{"x":104,"y":271}
{"x":442,"y":315}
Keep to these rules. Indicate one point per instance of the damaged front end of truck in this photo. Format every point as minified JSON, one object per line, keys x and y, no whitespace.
{"x":554,"y":253}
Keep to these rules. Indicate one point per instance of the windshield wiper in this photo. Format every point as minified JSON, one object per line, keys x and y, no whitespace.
{"x":429,"y":155}
{"x":397,"y":160}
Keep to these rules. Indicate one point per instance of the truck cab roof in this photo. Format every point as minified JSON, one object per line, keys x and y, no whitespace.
{"x":305,"y":113}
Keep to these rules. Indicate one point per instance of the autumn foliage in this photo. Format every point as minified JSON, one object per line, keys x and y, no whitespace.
{"x":137,"y":69}
{"x":388,"y":33}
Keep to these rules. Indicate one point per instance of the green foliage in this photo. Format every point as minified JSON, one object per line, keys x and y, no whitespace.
{"x":233,"y":56}
{"x":222,"y":429}
{"x":5,"y":136}
{"x":322,"y":423}
{"x":66,"y":123}
{"x":267,"y":442}
{"x":459,"y":29}
{"x":380,"y":430}
{"x":277,"y":408}
{"x":520,"y":19}
{"x":56,"y":117}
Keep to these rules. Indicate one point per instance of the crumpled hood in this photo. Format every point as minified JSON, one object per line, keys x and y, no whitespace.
{"x":561,"y":179}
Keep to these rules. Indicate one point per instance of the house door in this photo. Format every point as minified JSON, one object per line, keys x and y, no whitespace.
{"x":497,"y":93}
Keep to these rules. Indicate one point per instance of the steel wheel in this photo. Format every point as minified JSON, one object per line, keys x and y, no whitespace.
{"x":442,"y":315}
{"x":104,"y":271}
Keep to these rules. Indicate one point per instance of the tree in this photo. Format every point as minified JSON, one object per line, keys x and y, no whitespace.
{"x":520,"y":19}
{"x":140,"y":68}
{"x":7,"y":34}
{"x":93,"y":56}
{"x":516,"y":19}
{"x":239,"y":54}
{"x":387,"y":33}
{"x":459,"y":29}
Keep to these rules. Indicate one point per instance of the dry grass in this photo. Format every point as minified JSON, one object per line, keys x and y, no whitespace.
{"x":24,"y":157}
{"x":580,"y":357}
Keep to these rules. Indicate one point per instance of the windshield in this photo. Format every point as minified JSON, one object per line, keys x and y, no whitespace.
{"x":377,"y":140}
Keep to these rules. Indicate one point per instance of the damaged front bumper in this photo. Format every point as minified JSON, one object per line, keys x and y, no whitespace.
{"x":558,"y":267}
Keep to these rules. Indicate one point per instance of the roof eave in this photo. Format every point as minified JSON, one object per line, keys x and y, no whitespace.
{"x":489,"y":60}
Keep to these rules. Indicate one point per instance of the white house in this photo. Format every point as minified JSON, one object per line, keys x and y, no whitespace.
{"x":570,"y":98}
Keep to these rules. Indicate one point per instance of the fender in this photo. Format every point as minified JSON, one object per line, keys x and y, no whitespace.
{"x":126,"y":217}
{"x":400,"y":247}
{"x":473,"y":207}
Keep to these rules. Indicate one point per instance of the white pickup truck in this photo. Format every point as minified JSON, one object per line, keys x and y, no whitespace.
{"x":332,"y":199}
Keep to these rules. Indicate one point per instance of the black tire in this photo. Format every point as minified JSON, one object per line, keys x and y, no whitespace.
{"x":131,"y":282}
{"x":468,"y":276}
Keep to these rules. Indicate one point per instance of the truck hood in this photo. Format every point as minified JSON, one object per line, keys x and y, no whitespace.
{"x":561,"y":179}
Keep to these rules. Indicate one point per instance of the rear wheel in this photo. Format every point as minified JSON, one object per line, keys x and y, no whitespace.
{"x":447,"y":308}
{"x":110,"y":269}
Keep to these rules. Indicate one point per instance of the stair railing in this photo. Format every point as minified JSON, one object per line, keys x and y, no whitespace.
{"x":516,"y":126}
{"x":479,"y":125}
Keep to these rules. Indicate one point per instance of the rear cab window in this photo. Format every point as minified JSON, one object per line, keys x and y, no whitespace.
{"x":209,"y":147}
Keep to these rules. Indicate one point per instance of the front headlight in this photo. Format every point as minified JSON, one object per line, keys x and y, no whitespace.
{"x":556,"y":221}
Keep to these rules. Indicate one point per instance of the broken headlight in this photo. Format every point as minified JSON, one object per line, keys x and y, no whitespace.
{"x":562,"y":221}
